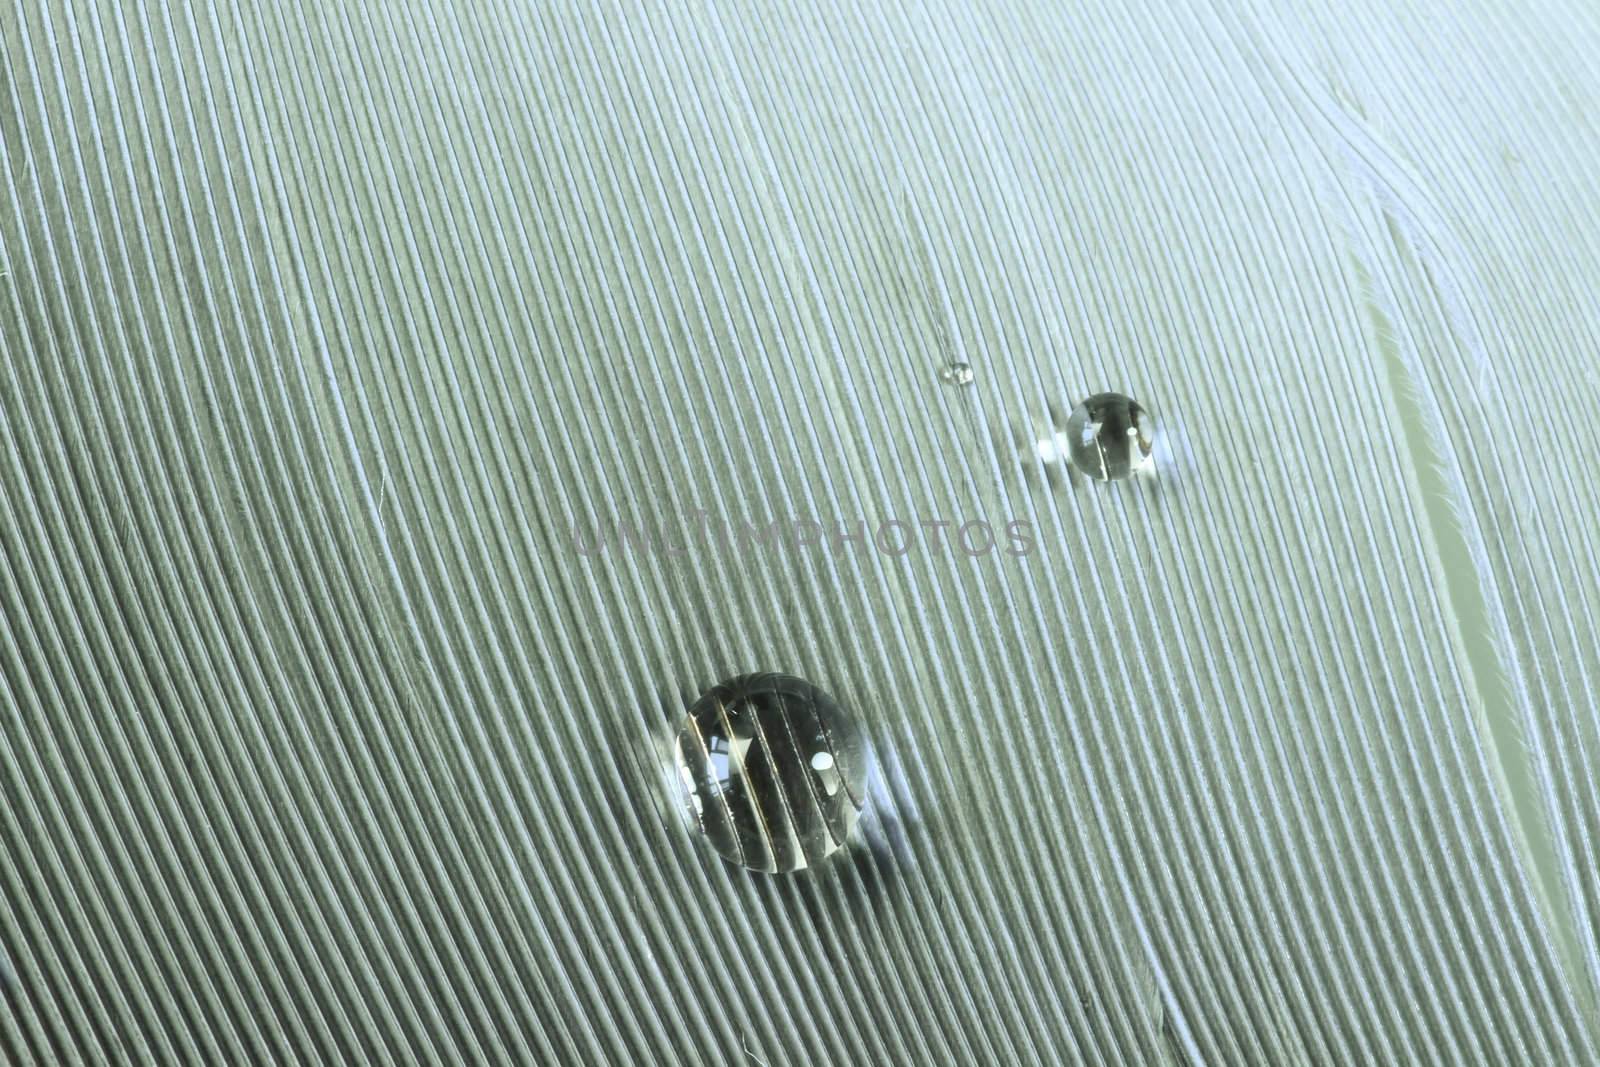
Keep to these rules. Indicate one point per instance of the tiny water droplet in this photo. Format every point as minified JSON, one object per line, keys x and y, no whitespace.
{"x":774,"y":771}
{"x":1110,"y":437}
{"x":956,"y":374}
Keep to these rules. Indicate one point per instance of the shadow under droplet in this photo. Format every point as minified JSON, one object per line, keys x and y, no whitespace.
{"x":875,"y":871}
{"x":1036,"y":449}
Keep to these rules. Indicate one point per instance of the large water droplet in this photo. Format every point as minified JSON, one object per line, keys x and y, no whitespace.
{"x":774,"y":771}
{"x":1110,"y":436}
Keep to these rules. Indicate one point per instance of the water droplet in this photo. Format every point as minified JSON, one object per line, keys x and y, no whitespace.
{"x":1110,"y":437}
{"x":774,"y":771}
{"x":956,"y":374}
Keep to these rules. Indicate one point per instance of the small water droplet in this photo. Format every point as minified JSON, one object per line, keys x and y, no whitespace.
{"x":774,"y":771}
{"x":956,"y":374}
{"x":1110,"y":437}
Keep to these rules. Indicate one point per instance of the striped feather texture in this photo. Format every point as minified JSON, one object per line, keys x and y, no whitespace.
{"x":394,"y":398}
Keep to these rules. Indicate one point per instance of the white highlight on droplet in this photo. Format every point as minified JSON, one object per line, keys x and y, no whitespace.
{"x":822,"y":761}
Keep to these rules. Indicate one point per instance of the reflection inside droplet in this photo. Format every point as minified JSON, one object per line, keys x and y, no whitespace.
{"x":1109,"y":436}
{"x":774,"y":771}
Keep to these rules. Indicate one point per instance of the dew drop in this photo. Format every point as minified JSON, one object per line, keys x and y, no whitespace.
{"x":1110,"y":437}
{"x":773,"y":769}
{"x":956,"y":374}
